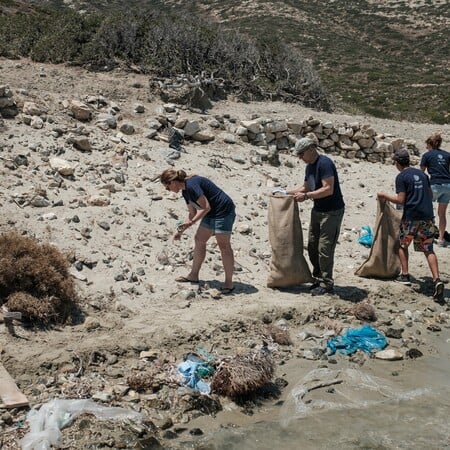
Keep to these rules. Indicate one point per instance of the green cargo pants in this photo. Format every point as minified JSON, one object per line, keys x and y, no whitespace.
{"x":323,"y":235}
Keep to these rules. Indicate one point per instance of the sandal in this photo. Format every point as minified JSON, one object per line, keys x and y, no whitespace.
{"x":226,"y":291}
{"x":185,"y":280}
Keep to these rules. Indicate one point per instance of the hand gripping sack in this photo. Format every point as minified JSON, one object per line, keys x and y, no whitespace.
{"x":383,"y":260}
{"x":288,"y":266}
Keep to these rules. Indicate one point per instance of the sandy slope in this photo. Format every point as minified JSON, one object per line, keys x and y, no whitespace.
{"x":153,"y":311}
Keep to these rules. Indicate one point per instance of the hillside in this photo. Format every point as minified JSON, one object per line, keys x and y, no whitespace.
{"x":385,"y":58}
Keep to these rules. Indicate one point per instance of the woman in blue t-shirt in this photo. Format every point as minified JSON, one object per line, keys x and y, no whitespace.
{"x":437,"y":162}
{"x":215,"y":211}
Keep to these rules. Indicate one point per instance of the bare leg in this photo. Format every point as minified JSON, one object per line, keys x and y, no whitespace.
{"x":442,"y":211}
{"x":224,"y":242}
{"x":403,"y":254}
{"x":201,"y":238}
{"x":433,"y":263}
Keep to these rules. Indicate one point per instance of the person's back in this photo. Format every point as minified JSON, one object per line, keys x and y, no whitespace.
{"x":437,"y":163}
{"x":418,"y":196}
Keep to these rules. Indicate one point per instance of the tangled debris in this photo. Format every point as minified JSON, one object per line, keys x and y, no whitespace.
{"x":243,"y":374}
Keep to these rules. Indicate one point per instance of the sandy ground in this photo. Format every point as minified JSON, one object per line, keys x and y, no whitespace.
{"x":148,"y":309}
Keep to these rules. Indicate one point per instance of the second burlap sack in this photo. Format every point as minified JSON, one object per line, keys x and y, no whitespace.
{"x":383,"y":260}
{"x":288,"y":266}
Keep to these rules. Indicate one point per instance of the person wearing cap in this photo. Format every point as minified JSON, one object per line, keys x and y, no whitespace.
{"x":437,"y":162}
{"x":321,"y":186}
{"x":413,"y":191}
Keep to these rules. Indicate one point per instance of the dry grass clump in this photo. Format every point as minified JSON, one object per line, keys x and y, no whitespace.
{"x":243,"y":374}
{"x":365,"y":311}
{"x":278,"y":335}
{"x":35,"y":280}
{"x":140,"y":382}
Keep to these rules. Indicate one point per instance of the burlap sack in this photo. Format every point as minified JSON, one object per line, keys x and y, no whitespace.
{"x":288,"y":266}
{"x":383,"y":260}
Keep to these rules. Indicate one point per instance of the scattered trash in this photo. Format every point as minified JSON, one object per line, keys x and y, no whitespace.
{"x":193,"y":369}
{"x":279,"y":191}
{"x":46,"y":423}
{"x":365,"y":338}
{"x":366,"y":236}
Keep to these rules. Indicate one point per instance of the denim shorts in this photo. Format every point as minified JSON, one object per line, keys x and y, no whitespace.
{"x":421,"y":232}
{"x":441,"y":193}
{"x":219,"y":225}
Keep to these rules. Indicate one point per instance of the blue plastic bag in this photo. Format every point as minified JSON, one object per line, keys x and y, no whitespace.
{"x":366,"y":236}
{"x":365,"y":338}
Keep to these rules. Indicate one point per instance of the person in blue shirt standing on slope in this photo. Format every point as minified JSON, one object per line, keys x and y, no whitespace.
{"x":413,"y":191}
{"x":321,"y":185}
{"x":214,"y":210}
{"x":437,"y":162}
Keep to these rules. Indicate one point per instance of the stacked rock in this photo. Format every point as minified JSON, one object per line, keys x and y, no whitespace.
{"x":8,"y":107}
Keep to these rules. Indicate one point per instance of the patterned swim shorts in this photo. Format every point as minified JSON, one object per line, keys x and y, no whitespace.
{"x":421,"y":232}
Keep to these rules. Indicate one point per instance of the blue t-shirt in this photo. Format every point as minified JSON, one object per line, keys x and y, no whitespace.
{"x":196,"y":186}
{"x":323,"y":168}
{"x":437,"y":162}
{"x":419,"y":198}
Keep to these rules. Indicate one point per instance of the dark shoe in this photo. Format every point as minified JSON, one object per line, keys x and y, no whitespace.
{"x":446,"y":236}
{"x":321,"y":290}
{"x":315,"y":285}
{"x":438,"y":290}
{"x":404,"y":279}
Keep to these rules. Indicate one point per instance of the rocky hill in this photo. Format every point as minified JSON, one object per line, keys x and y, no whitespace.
{"x":384,"y":58}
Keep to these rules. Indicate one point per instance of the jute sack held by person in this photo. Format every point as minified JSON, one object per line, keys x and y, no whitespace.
{"x":383,"y":260}
{"x":288,"y":266}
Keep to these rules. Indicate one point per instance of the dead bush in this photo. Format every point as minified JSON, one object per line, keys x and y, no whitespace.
{"x":34,"y":280}
{"x":243,"y":374}
{"x":278,"y":335}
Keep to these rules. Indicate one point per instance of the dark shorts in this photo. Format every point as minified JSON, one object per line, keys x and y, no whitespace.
{"x":219,"y":225}
{"x":421,"y":232}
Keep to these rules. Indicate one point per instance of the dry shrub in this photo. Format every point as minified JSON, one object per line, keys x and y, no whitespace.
{"x":35,"y":280}
{"x":365,"y":311}
{"x":243,"y":374}
{"x":278,"y":335}
{"x":140,"y":382}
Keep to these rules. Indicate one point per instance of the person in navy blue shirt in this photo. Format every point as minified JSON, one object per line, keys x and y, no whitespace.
{"x":215,"y":211}
{"x":437,"y":162}
{"x":413,"y":191}
{"x":321,"y":185}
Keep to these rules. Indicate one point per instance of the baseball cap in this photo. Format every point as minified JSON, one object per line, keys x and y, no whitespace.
{"x":302,"y":145}
{"x":401,"y":156}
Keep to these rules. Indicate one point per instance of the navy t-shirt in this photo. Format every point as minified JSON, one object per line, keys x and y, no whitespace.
{"x":196,"y":186}
{"x":323,"y":168}
{"x":437,"y":163}
{"x":419,"y":198}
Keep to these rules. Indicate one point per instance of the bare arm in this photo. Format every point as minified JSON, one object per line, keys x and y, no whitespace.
{"x":399,"y":198}
{"x":325,"y":190}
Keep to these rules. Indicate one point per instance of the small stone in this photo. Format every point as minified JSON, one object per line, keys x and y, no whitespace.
{"x":389,"y":355}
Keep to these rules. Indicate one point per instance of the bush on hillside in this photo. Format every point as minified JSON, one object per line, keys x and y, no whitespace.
{"x":166,"y":45}
{"x":34,"y":280}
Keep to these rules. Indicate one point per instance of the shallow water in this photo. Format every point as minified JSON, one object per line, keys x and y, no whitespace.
{"x":366,"y":411}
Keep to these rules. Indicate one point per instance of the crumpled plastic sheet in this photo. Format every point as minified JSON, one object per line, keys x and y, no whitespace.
{"x":365,"y":338}
{"x":366,"y":237}
{"x":46,"y":423}
{"x":190,"y":371}
{"x":352,"y":389}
